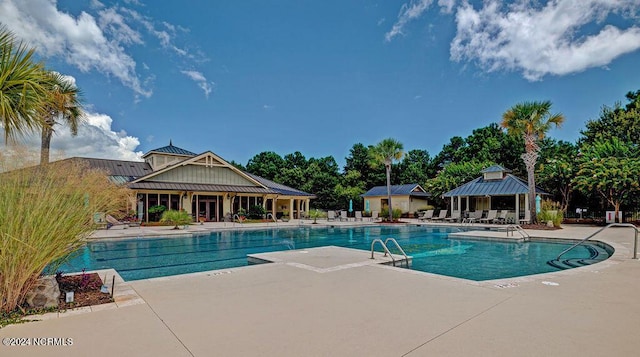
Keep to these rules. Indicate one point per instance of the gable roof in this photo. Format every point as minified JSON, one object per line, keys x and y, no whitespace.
{"x":170,"y":149}
{"x":211,"y":159}
{"x":411,"y":189}
{"x":509,"y":185}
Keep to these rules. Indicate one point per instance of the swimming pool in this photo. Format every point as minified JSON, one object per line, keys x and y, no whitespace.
{"x":432,"y":251}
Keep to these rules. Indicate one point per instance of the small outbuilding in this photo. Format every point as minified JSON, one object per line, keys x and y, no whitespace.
{"x":408,"y":198}
{"x":496,"y":189}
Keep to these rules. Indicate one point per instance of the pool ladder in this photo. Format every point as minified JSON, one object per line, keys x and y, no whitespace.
{"x":386,"y":249}
{"x":517,"y":228}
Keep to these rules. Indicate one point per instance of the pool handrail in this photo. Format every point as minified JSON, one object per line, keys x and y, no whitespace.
{"x":386,"y":243}
{"x":635,"y":241}
{"x":517,"y":228}
{"x":386,"y":250}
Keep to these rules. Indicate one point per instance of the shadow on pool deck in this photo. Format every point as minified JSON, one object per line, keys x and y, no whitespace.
{"x":279,"y":309}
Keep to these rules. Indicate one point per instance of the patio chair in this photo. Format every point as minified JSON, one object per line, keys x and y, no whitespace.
{"x":374,"y":216}
{"x":112,"y":222}
{"x":441,"y":215}
{"x":501,"y":218}
{"x":358,"y":216}
{"x":493,"y":213}
{"x":331,"y":215}
{"x":527,"y":218}
{"x":343,"y":216}
{"x":426,"y":215}
{"x":473,"y":217}
{"x":455,"y":216}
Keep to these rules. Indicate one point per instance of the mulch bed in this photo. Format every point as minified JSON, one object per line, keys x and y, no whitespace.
{"x":86,"y":288}
{"x":541,"y":227}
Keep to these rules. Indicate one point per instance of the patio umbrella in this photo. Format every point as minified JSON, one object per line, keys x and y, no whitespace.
{"x":350,"y":205}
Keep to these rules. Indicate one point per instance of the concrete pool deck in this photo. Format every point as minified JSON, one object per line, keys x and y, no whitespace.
{"x":282,"y":309}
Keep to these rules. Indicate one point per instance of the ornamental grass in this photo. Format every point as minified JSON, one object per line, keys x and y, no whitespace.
{"x":46,"y":214}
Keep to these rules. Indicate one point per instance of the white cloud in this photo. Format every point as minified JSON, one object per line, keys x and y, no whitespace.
{"x":95,"y":138}
{"x":80,"y":41}
{"x":446,"y":6}
{"x":98,"y":39}
{"x":543,"y":40}
{"x":201,"y":80}
{"x":408,"y":12}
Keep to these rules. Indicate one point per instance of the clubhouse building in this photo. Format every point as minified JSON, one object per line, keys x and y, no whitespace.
{"x":204,"y":185}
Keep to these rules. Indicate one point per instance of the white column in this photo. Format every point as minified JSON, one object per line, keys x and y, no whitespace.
{"x":517,"y":209}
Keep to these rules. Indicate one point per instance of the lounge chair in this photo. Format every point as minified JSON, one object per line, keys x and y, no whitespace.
{"x":472,"y":217}
{"x":343,"y":216}
{"x":358,"y":216}
{"x":441,"y":215}
{"x":491,"y":215}
{"x":455,"y":216}
{"x":331,"y":215}
{"x":426,"y":215}
{"x":527,"y":218}
{"x":502,"y":217}
{"x":112,"y":222}
{"x":374,"y":216}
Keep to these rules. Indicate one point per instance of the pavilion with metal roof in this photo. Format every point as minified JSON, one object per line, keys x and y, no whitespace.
{"x":204,"y":185}
{"x":495,"y":189}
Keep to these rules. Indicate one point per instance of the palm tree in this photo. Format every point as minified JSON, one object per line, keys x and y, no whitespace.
{"x":22,"y":87}
{"x":63,"y":104}
{"x":532,"y":120}
{"x":385,"y":152}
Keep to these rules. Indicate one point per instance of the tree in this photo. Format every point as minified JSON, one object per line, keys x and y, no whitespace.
{"x":385,"y":152}
{"x":350,"y":187}
{"x":532,"y":121}
{"x":359,"y":159}
{"x":321,"y":179}
{"x":22,"y":87}
{"x":620,"y":122}
{"x":557,"y":170}
{"x":266,"y":164}
{"x":454,"y":175}
{"x":611,"y":168}
{"x":415,"y":167}
{"x":62,"y":104}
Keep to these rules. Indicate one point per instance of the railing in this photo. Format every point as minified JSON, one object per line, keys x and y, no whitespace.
{"x":386,"y":243}
{"x":272,"y":217}
{"x":386,"y":250}
{"x":635,"y":241}
{"x":517,"y":228}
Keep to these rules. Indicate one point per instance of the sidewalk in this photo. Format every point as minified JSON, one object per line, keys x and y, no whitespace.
{"x":284,"y":309}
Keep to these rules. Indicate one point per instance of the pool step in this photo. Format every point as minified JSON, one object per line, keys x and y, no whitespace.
{"x":596,"y":254}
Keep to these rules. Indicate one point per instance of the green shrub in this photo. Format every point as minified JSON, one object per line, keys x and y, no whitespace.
{"x":156,"y":211}
{"x":177,"y":218}
{"x":315,"y":214}
{"x":257,"y":212}
{"x":46,"y":214}
{"x":550,"y":211}
{"x":396,"y":213}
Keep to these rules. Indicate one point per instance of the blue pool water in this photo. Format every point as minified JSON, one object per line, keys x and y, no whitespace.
{"x":432,"y":251}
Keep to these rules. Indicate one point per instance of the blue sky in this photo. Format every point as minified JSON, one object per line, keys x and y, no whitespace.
{"x":242,"y":77}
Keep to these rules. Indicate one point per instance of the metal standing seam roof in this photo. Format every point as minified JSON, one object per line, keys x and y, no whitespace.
{"x":279,"y":188}
{"x":509,"y":185}
{"x":120,"y":172}
{"x":170,"y":149}
{"x":397,"y":190}
{"x":133,"y":169}
{"x":495,"y":168}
